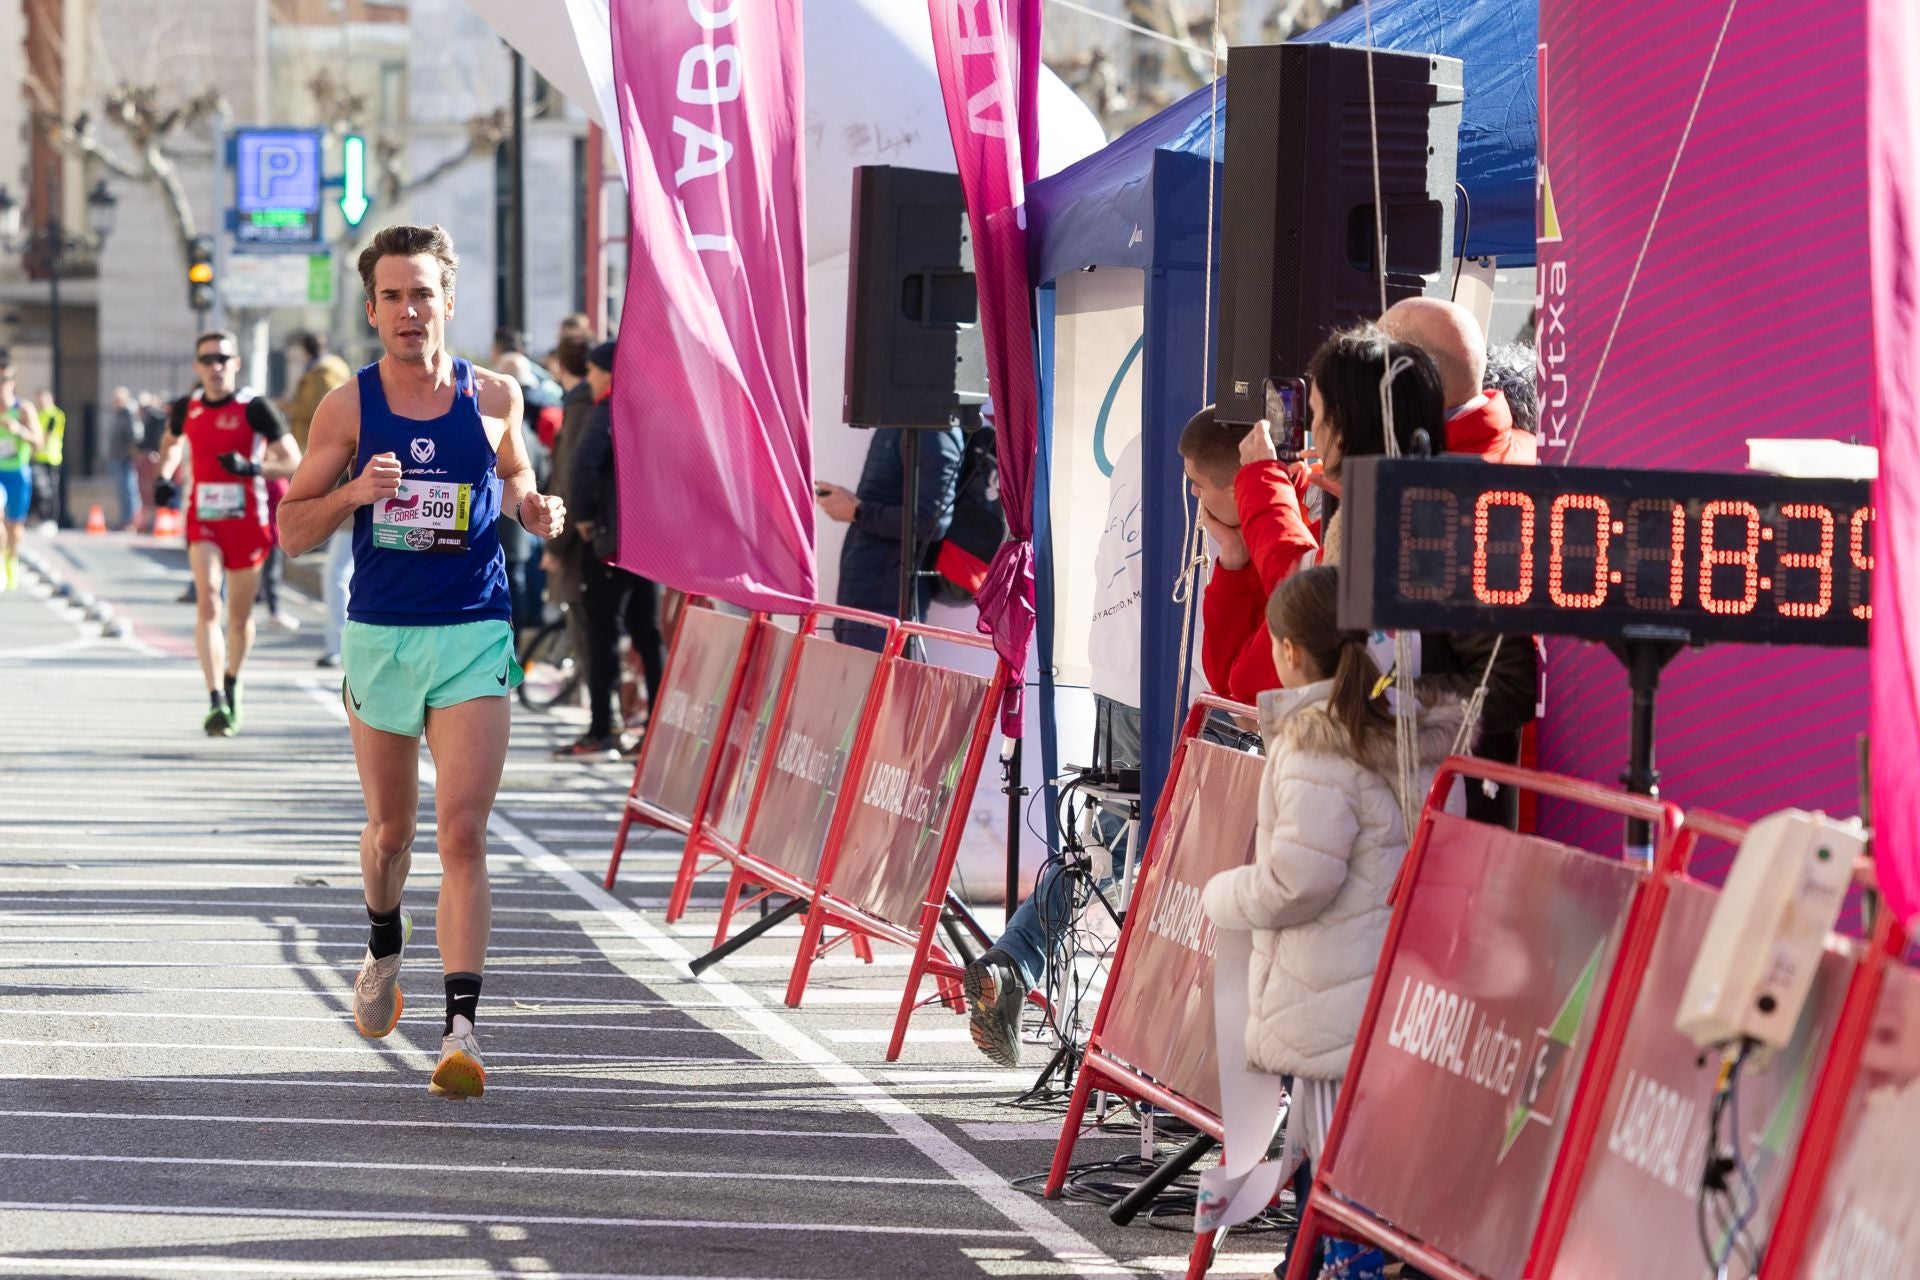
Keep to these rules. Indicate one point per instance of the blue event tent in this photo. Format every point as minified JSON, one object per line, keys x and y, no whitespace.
{"x":1143,"y":201}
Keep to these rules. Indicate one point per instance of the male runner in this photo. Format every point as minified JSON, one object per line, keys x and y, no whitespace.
{"x":234,"y":439}
{"x":435,"y":453}
{"x":19,"y":437}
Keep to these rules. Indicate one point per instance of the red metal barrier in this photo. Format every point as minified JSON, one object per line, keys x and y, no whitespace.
{"x":680,"y":679}
{"x":770,"y":858}
{"x":1633,"y":1192}
{"x":1100,"y":1066}
{"x":1836,"y":1114}
{"x":1370,"y":1214}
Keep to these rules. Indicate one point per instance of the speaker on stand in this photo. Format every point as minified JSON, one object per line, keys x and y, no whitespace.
{"x":1297,"y":235}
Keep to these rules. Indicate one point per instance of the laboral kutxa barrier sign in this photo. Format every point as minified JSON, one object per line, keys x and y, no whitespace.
{"x":904,"y":798}
{"x":1637,"y":1209}
{"x":693,"y":696}
{"x":1867,"y":1224}
{"x":1159,"y":1014}
{"x":745,"y":748}
{"x":1487,"y":1017}
{"x":831,"y":686}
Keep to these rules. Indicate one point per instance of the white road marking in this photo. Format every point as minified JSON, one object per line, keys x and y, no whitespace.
{"x":1067,"y":1246}
{"x":490,"y":1170}
{"x":361,"y":1122}
{"x":722,"y":1226}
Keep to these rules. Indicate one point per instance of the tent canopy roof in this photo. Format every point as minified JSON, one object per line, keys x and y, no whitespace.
{"x":1099,"y":211}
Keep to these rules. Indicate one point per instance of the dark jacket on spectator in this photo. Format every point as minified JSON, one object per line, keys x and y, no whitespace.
{"x":563,"y":581}
{"x":592,"y":492}
{"x":870,"y":557}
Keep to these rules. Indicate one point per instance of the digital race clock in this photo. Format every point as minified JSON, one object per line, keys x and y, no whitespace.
{"x":1686,"y":556}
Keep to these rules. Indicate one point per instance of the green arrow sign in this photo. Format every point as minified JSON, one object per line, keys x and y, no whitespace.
{"x":353,"y":163}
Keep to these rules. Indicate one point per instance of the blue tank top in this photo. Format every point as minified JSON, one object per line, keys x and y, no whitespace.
{"x":429,"y":556}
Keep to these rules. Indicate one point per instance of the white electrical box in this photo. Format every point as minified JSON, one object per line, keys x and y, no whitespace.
{"x":1770,"y":928}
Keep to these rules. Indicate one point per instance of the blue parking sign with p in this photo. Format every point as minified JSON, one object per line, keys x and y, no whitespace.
{"x":277,"y":186}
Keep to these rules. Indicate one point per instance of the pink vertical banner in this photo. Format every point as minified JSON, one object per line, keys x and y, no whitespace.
{"x":990,"y":87}
{"x":712,"y":439}
{"x":1893,"y":180}
{"x":1696,"y":290}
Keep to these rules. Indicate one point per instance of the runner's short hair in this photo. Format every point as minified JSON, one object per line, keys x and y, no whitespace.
{"x":217,"y":335}
{"x":408,"y":242}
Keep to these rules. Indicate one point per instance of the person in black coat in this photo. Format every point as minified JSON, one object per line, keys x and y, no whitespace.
{"x":870,"y":557}
{"x":609,"y":595}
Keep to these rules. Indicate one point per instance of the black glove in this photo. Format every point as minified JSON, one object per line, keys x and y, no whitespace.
{"x":164,"y":493}
{"x":238,"y":464}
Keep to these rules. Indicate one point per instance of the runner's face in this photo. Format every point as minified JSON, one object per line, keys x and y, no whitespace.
{"x":218,"y":364}
{"x":409,"y":310}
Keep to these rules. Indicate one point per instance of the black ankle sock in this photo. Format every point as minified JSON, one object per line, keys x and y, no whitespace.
{"x":463,"y":998}
{"x":218,"y":697}
{"x":387,"y":937}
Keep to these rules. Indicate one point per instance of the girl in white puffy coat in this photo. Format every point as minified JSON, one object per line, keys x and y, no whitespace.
{"x":1331,"y":840}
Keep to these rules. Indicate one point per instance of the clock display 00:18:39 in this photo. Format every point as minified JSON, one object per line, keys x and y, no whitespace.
{"x":1610,"y":553}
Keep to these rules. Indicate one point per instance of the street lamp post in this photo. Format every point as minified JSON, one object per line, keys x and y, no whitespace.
{"x":47,"y":247}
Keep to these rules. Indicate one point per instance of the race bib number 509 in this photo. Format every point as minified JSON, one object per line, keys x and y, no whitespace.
{"x":423,"y":516}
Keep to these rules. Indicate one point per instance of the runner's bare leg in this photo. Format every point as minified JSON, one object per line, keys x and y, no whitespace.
{"x":242,"y":584}
{"x":469,"y":745}
{"x":389,"y":765}
{"x":209,"y":632}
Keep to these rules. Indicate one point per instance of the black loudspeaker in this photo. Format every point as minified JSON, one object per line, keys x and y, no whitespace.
{"x":1297,"y":205}
{"x":914,"y":352}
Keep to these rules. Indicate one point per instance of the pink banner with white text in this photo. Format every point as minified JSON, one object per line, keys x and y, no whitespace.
{"x":712,"y":440}
{"x":987,"y":53}
{"x":1893,"y":181}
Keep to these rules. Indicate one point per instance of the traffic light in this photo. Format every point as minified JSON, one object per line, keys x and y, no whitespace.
{"x":200,"y":273}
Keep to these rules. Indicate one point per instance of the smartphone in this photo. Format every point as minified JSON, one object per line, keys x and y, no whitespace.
{"x":820,"y":490}
{"x":1286,"y":408}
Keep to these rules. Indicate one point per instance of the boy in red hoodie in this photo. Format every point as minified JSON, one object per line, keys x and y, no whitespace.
{"x":1254,"y":514}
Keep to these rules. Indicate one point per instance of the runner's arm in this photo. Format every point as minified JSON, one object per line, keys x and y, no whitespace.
{"x":316,"y":503}
{"x":283,"y":451}
{"x":28,"y":427}
{"x":171,"y":442}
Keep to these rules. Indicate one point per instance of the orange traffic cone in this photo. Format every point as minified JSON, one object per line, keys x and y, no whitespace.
{"x":166,"y":523}
{"x":96,"y":520}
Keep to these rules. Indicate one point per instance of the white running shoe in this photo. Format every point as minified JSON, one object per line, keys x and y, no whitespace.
{"x":376,"y":992}
{"x":459,"y":1073}
{"x":284,"y":620}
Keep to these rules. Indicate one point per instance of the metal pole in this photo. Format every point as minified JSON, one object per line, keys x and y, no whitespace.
{"x":1645,"y":660}
{"x":56,"y":248}
{"x":596,"y":228}
{"x":517,"y":247}
{"x":909,"y":517}
{"x":1014,"y":793}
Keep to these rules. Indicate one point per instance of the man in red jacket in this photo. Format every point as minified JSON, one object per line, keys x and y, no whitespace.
{"x":1253,"y":513}
{"x":1479,"y":424}
{"x":1479,"y":421}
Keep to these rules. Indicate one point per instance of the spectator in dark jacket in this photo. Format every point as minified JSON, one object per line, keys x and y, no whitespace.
{"x":563,"y":554}
{"x":609,"y":595}
{"x":870,"y":557}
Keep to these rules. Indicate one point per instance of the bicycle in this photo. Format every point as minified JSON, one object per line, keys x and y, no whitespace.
{"x":552,"y":676}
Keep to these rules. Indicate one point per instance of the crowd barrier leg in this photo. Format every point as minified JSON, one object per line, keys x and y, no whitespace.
{"x":1200,"y":1257}
{"x":922,"y":961}
{"x":682,"y":881}
{"x":1070,"y":1131}
{"x":620,"y":847}
{"x":729,"y":904}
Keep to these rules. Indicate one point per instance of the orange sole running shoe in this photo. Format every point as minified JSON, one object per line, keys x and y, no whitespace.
{"x":459,"y":1074}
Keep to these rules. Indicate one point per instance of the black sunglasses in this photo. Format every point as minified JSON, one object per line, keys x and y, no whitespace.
{"x":216,"y":357}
